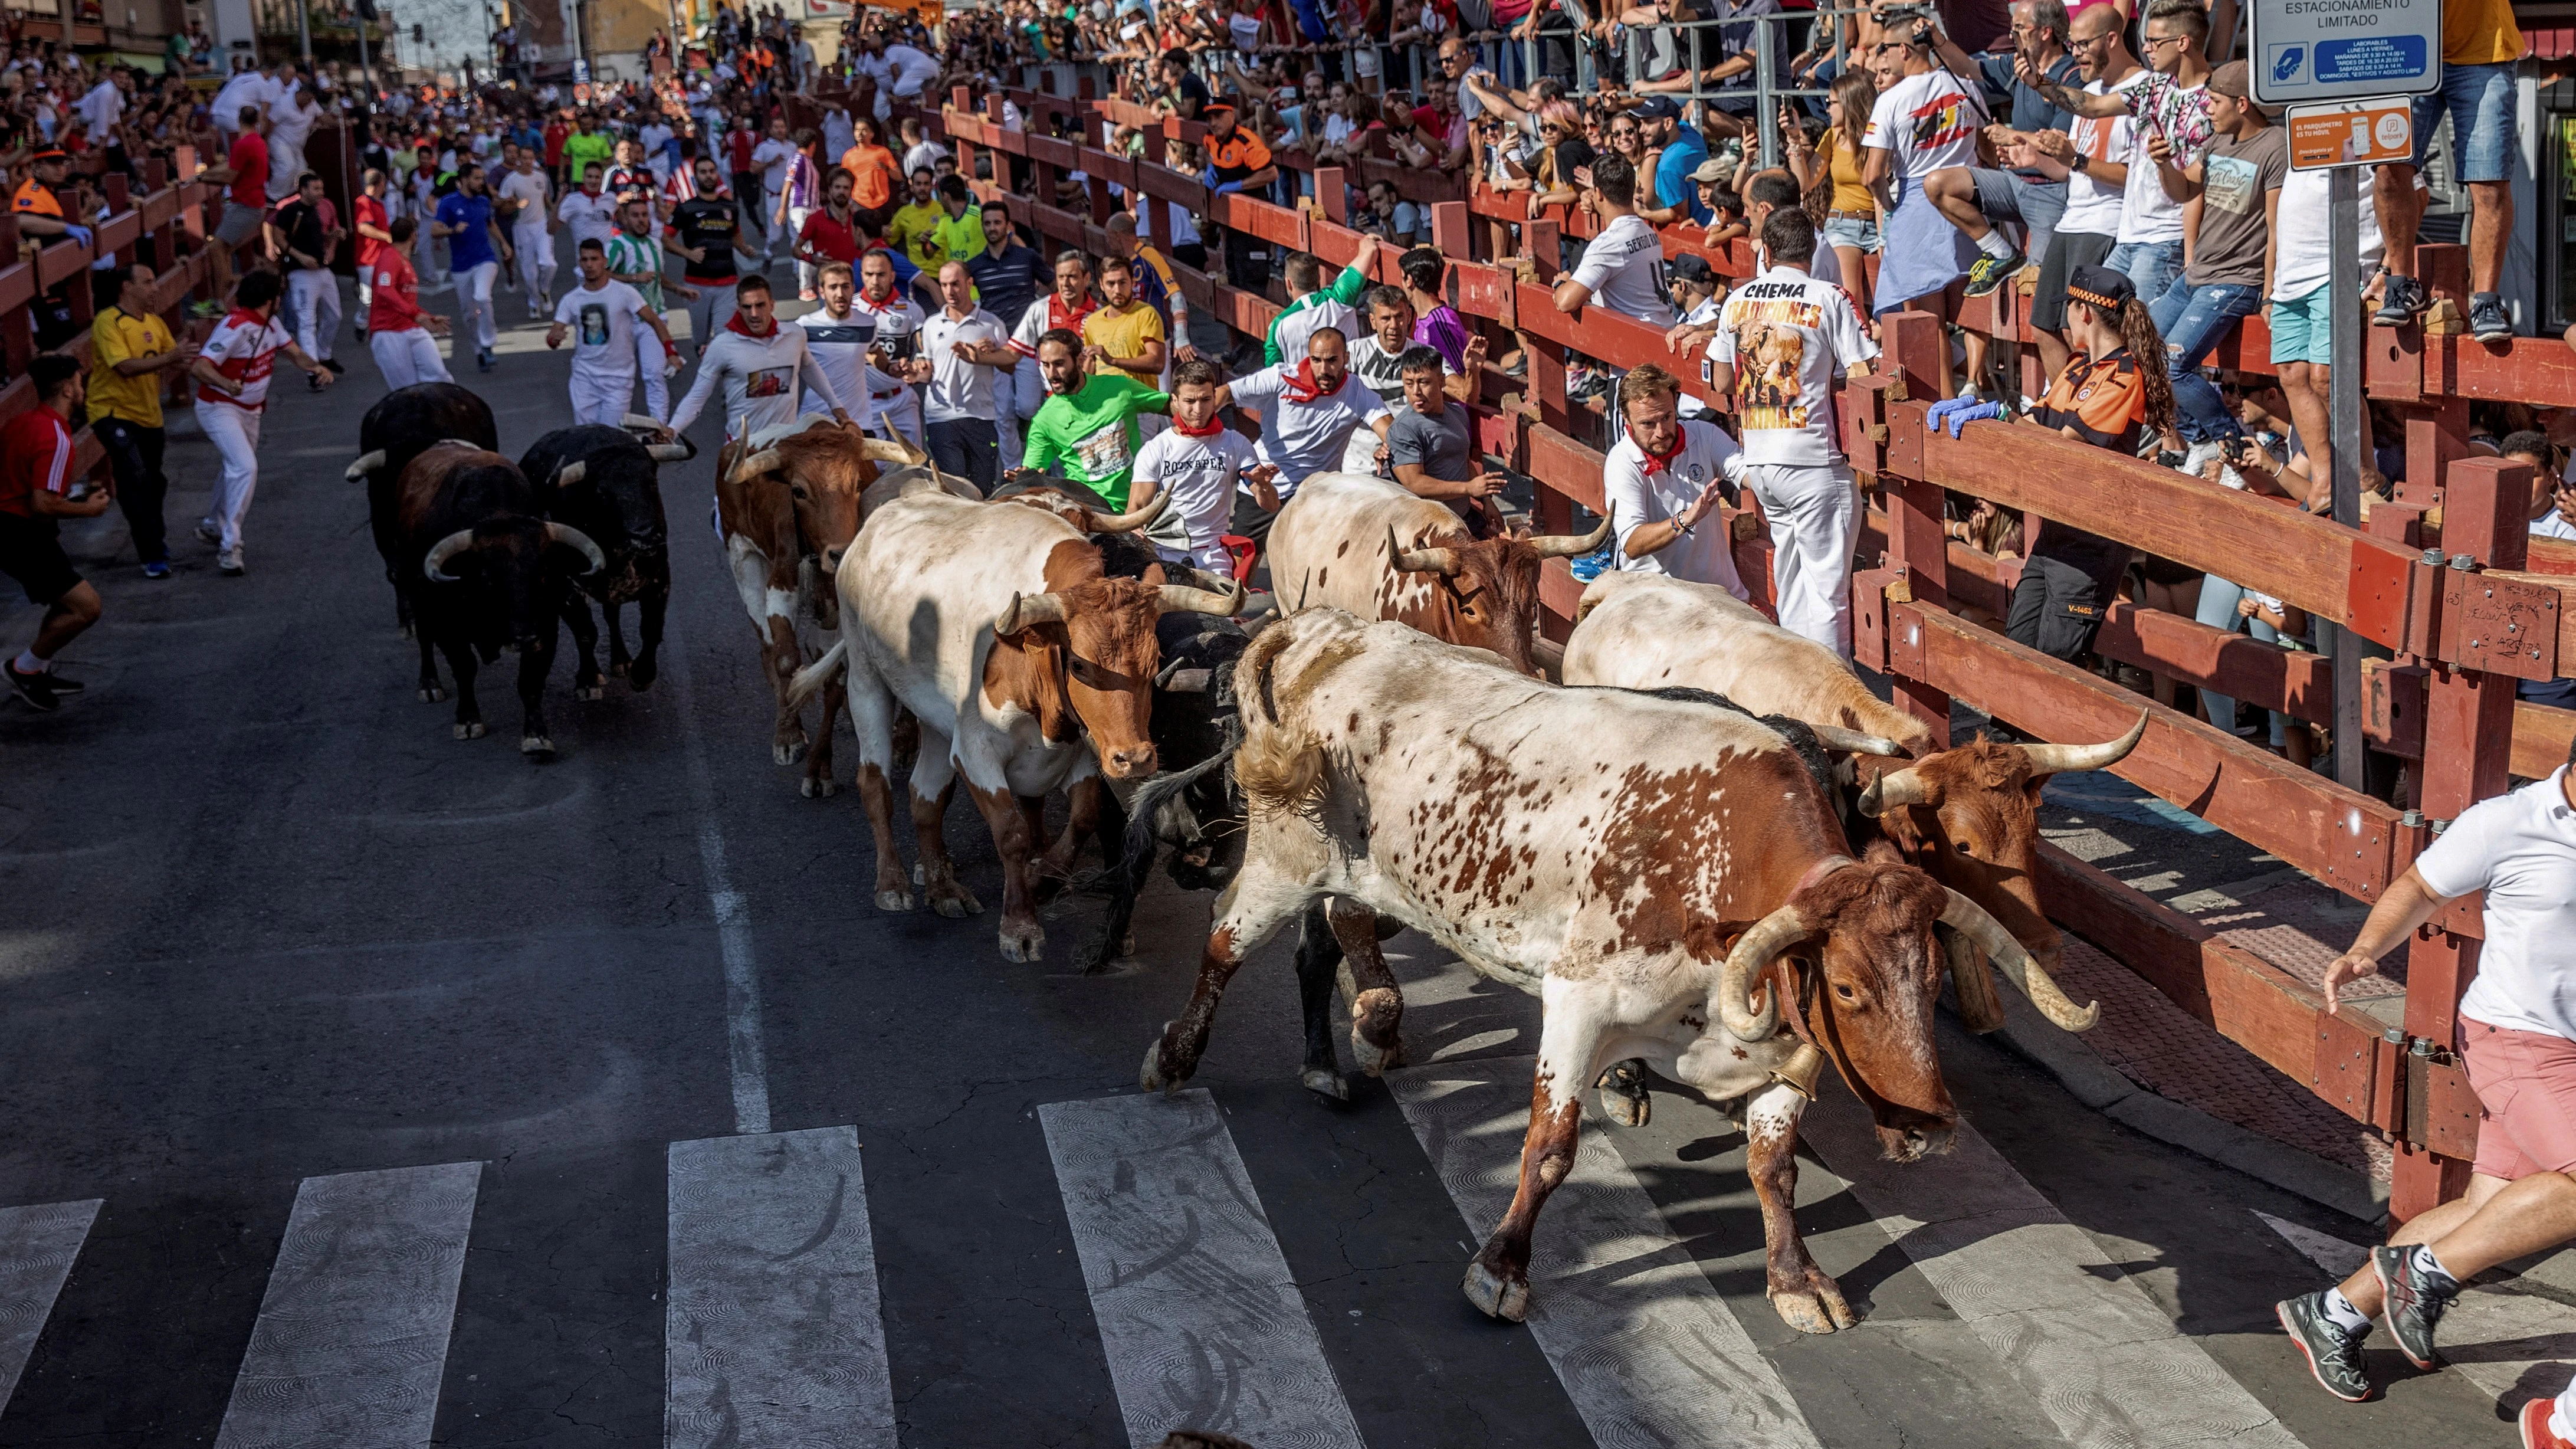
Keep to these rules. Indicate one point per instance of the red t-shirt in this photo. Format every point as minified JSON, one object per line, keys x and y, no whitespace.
{"x":741,"y":143}
{"x":393,"y":304}
{"x":371,"y":212}
{"x":555,"y":134}
{"x":249,"y":161}
{"x":831,"y":238}
{"x":35,"y":452}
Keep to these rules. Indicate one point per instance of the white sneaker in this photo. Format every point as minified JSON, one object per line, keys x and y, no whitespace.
{"x":210,"y":533}
{"x":229,"y":562}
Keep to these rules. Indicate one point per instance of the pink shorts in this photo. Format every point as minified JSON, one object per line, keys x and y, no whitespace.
{"x":2526,"y":1086}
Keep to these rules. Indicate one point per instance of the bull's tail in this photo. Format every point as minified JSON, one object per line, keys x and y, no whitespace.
{"x":809,"y":681}
{"x":1278,"y":766}
{"x":1148,"y":801}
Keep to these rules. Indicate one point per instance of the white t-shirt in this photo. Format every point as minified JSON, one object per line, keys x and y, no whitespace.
{"x":923,"y":155}
{"x":773,"y":157}
{"x":1706,"y":555}
{"x":1302,"y":439}
{"x":897,"y":321}
{"x":1786,"y":338}
{"x":2093,"y":205}
{"x":243,"y":347}
{"x":839,"y":346}
{"x":603,"y":327}
{"x":1624,"y":267}
{"x":528,"y":189}
{"x":101,"y":108}
{"x":589,"y":217}
{"x":2147,"y":214}
{"x":2520,"y":849}
{"x":958,"y":388}
{"x":250,"y":88}
{"x":1927,"y":121}
{"x":912,"y":69}
{"x":1201,"y":474}
{"x":2302,"y":259}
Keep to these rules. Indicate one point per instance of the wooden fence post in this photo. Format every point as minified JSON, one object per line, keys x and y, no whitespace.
{"x":1450,"y":231}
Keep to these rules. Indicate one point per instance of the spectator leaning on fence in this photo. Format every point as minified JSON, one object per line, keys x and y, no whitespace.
{"x":1662,"y":484}
{"x":1623,"y":265}
{"x":35,"y":495}
{"x":129,"y":350}
{"x":2481,"y":40}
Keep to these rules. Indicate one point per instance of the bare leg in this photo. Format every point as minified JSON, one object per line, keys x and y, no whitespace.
{"x":1801,"y":1293}
{"x":2494,"y":1222}
{"x":2392,"y":195}
{"x":2490,"y":225}
{"x":2054,"y":354}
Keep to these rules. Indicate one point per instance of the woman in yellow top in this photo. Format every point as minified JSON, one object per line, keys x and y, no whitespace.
{"x":1851,"y":224}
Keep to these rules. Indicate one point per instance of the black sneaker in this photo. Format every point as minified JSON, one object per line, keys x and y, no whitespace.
{"x":335,"y":365}
{"x":2333,"y":1354}
{"x":2403,"y":302}
{"x":1992,"y":272}
{"x":36,"y":689}
{"x":2488,"y":321}
{"x":60,"y":685}
{"x":2415,"y":1301}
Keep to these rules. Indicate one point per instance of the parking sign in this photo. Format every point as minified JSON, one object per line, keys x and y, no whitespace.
{"x":2334,"y":50}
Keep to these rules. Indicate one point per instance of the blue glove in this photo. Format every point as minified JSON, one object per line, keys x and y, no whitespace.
{"x":1223,"y":187}
{"x":1974,"y":412}
{"x":1207,"y":175}
{"x":79,"y":234}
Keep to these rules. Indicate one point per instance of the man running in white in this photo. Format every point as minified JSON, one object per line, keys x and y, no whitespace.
{"x":232,"y":391}
{"x":898,"y":320}
{"x":838,"y":335}
{"x":532,"y":228}
{"x":1663,"y":483}
{"x":1200,"y":462}
{"x":604,"y":310}
{"x":403,"y":337}
{"x":586,"y":212}
{"x":764,"y":368}
{"x":1309,"y":409}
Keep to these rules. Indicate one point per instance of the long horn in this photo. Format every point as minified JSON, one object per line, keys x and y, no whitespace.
{"x":1182,"y":599}
{"x":1567,"y":545}
{"x":1135,"y":519}
{"x":879,"y":450}
{"x":571,"y":537}
{"x":571,"y":473}
{"x":1835,"y":737}
{"x":1753,"y":951}
{"x":1970,"y":920}
{"x":1420,"y":560}
{"x":669,"y":452}
{"x":1895,"y":790}
{"x":1027,"y":610}
{"x":2063,"y":759}
{"x":765,"y":461}
{"x":642,"y":423}
{"x":440,"y":552}
{"x":367,"y":463}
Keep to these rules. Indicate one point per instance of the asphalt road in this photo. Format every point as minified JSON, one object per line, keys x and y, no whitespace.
{"x":425,"y":1093}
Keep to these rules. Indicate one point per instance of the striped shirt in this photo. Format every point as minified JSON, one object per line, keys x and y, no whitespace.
{"x":629,"y":254}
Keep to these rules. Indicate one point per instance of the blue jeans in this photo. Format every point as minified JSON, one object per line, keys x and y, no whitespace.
{"x":2192,"y":320}
{"x":2150,"y":266}
{"x":2480,"y":101}
{"x":2218,"y":599}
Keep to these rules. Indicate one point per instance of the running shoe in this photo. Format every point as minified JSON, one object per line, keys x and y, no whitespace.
{"x":2333,"y":1355}
{"x":2416,"y":1301}
{"x":157,"y":569}
{"x":55,"y":680}
{"x":229,"y":562}
{"x":1992,"y":272}
{"x":2403,"y":302}
{"x":483,"y":359}
{"x":210,"y":534}
{"x":2488,"y":321}
{"x":2536,"y":1433}
{"x":36,"y":689}
{"x":336,"y":367}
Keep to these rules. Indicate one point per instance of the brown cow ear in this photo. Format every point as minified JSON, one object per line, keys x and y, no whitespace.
{"x":1154,"y":575}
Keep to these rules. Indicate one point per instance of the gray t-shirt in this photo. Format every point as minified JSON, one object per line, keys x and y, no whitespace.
{"x":2236,"y":176}
{"x":1443,"y":446}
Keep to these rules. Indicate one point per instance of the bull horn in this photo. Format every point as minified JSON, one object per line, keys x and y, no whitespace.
{"x":880,"y":451}
{"x":767,"y":460}
{"x":1182,"y":599}
{"x":668,"y":452}
{"x":572,"y":473}
{"x":1134,"y":519}
{"x":1754,"y":950}
{"x":2065,"y":759}
{"x":1028,"y":610}
{"x":1567,"y":545}
{"x":1420,"y":560}
{"x":367,"y":463}
{"x":1176,"y":680}
{"x":440,"y":552}
{"x":571,"y":537}
{"x":642,"y":423}
{"x":1895,"y":790}
{"x":1835,"y":737}
{"x":1970,"y":920}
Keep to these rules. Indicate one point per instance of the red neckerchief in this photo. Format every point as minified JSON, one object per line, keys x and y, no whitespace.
{"x":1302,"y":387}
{"x":1663,"y":462}
{"x":1057,"y":316}
{"x":893,"y":302}
{"x":734,"y":324}
{"x":1214,"y":427}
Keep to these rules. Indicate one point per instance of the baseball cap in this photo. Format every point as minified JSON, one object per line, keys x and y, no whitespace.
{"x":1692,"y":268}
{"x":2232,"y":79}
{"x":1656,"y":108}
{"x":2100,"y":287}
{"x":1716,"y":170}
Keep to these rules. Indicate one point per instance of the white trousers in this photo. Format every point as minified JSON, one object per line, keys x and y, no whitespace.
{"x":805,"y":271}
{"x":235,"y":432}
{"x":315,"y":296}
{"x":474,"y":287}
{"x":1813,"y":513}
{"x":602,"y":400}
{"x":650,"y":360}
{"x":407,"y":357}
{"x":536,"y":252}
{"x":899,"y":417}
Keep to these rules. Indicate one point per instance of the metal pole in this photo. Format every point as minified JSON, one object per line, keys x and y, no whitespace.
{"x":304,"y":32}
{"x":2343,"y":242}
{"x":1766,"y":108}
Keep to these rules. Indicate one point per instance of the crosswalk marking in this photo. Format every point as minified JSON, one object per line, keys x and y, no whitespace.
{"x":774,"y":1335}
{"x":351,"y":1340}
{"x":1646,"y":1349}
{"x":1204,"y":1327}
{"x":37,"y":1246}
{"x":2087,"y":1344}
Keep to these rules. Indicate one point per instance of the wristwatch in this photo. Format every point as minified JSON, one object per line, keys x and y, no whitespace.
{"x":2080,"y":162}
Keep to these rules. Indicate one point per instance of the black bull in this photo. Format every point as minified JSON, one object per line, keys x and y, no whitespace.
{"x":607,"y":483}
{"x":401,"y":426}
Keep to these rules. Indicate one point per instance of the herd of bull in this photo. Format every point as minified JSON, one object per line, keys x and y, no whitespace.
{"x":1711,"y":852}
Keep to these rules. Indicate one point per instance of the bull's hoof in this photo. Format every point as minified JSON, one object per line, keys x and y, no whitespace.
{"x":1375,"y":1041}
{"x":433,"y":694}
{"x":1150,"y":1079}
{"x":954,"y":901}
{"x":917,"y":876}
{"x":817,"y":785}
{"x":1495,"y":1297}
{"x":472,"y":731}
{"x":1819,"y":1310}
{"x":618,"y":667}
{"x":591,"y":691}
{"x":1327,"y":1084}
{"x":537,"y":745}
{"x":406,"y":629}
{"x":1624,"y":1099}
{"x":1022,"y":942}
{"x":786,"y":753}
{"x":894,"y":900}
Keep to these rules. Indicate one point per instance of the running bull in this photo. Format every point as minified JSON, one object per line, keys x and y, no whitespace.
{"x":607,"y":483}
{"x":403,"y":424}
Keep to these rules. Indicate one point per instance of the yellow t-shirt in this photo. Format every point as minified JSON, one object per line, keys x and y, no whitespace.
{"x":115,"y":337}
{"x":915,"y":229}
{"x":1850,"y":192}
{"x":2479,"y":32}
{"x":1123,"y":335}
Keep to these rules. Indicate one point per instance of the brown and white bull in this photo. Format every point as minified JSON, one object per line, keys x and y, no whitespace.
{"x":1349,"y":541}
{"x":1663,"y":874}
{"x":1969,"y":815}
{"x":1028,"y":670}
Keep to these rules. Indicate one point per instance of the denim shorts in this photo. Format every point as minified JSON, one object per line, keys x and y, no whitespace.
{"x":2480,"y":101}
{"x":2303,"y":328}
{"x":1852,"y":231}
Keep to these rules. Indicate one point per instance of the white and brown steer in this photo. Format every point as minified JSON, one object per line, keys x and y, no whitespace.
{"x":1028,"y":670}
{"x":1659,"y":872}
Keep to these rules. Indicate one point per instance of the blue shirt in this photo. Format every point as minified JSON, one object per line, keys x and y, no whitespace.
{"x":1673,"y":186}
{"x":471,"y":247}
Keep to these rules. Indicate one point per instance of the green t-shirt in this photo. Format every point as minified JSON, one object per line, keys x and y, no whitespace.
{"x":1346,"y":289}
{"x":638,"y":254}
{"x":959,"y":238}
{"x":1091,"y":436}
{"x":581,"y":148}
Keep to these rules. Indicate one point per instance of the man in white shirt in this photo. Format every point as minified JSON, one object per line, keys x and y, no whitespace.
{"x":1308,"y":411}
{"x":773,"y":156}
{"x":602,"y":313}
{"x":2517,"y":1039}
{"x":532,"y":227}
{"x":961,"y":345}
{"x":1623,"y":265}
{"x":1926,"y":122}
{"x":894,"y":342}
{"x":1663,"y":483}
{"x":103,"y":107}
{"x":1784,"y":342}
{"x":763,"y":368}
{"x":1200,"y":462}
{"x":589,"y":213}
{"x":256,"y":87}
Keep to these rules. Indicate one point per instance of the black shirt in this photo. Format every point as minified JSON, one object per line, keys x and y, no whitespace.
{"x":301,"y":223}
{"x":709,"y":222}
{"x":1007,"y":281}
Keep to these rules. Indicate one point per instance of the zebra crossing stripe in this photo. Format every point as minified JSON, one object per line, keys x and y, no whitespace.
{"x":351,"y":1341}
{"x":2087,"y":1345}
{"x":37,"y":1246}
{"x":773,"y":1335}
{"x":1204,"y":1327}
{"x":1647,"y":1350}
